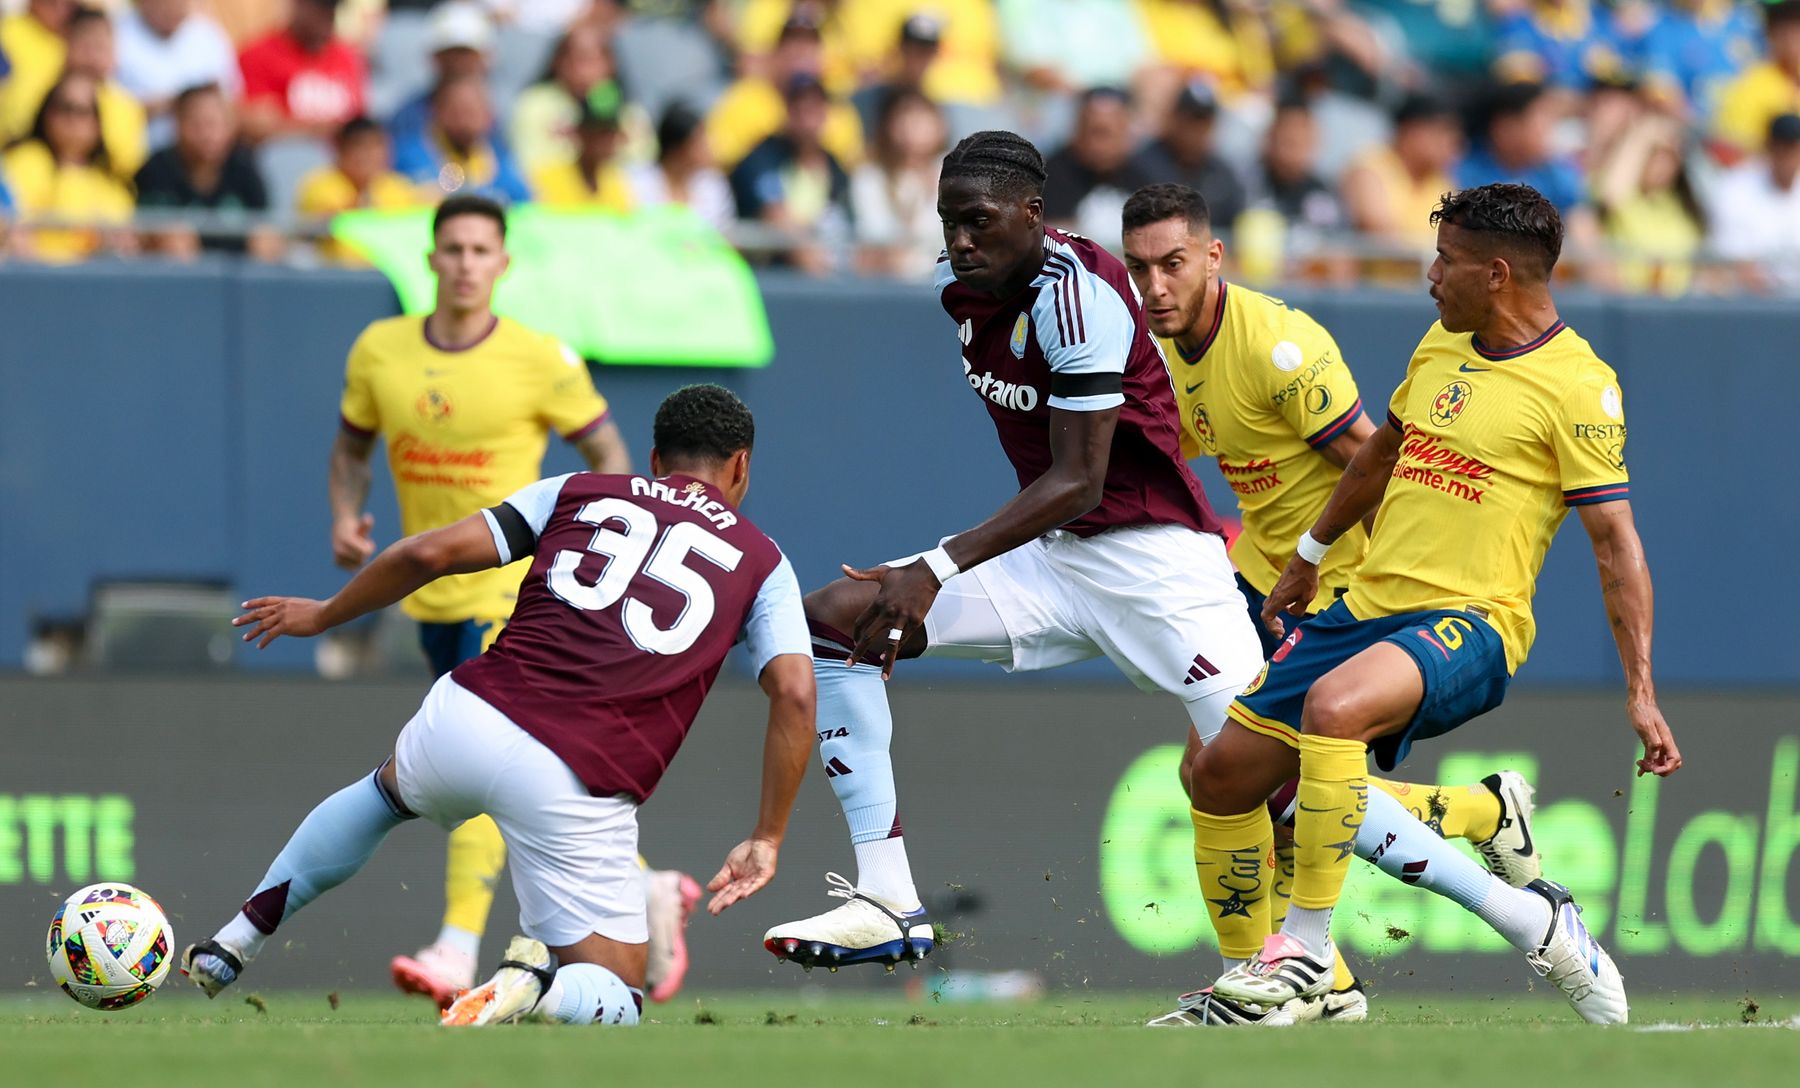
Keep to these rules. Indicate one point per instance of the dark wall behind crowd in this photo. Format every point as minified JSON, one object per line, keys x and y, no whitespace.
{"x":158,"y":423}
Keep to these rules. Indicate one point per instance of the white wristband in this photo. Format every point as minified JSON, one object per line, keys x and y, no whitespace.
{"x":941,"y":564}
{"x":1309,"y":549}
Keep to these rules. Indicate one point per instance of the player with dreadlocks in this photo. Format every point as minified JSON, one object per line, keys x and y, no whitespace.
{"x":1109,"y":548}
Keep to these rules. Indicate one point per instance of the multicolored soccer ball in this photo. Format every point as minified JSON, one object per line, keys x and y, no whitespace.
{"x":110,"y":946}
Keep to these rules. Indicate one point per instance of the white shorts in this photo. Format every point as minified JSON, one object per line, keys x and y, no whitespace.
{"x":574,"y":856}
{"x":1159,"y":600}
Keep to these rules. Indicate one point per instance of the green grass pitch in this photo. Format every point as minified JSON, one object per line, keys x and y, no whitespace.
{"x":741,"y":1041}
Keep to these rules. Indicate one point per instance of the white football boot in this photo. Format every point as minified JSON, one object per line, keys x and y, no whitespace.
{"x":1512,"y":854}
{"x":211,"y":966}
{"x":1575,"y":963}
{"x":1339,"y":1006}
{"x":524,"y":977}
{"x":1282,"y":971}
{"x":1205,"y":1009}
{"x":669,"y":901}
{"x":863,"y":930}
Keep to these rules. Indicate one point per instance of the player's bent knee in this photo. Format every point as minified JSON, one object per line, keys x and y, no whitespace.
{"x":839,"y":603}
{"x":1333,"y":709}
{"x":1216,"y":783}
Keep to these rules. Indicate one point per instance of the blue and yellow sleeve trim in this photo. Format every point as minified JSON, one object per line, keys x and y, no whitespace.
{"x":1330,"y":433}
{"x":1585,"y":496}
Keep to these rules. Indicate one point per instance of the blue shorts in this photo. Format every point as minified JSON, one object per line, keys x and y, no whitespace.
{"x":448,"y":645}
{"x":1460,"y":658}
{"x":1255,"y":598}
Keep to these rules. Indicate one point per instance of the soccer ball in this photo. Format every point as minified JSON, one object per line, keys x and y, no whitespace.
{"x":110,"y":946}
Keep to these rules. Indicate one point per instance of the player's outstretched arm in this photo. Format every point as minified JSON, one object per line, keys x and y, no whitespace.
{"x":1355,"y":498}
{"x":459,"y":548}
{"x":788,"y":681}
{"x":1630,"y":606}
{"x":1080,"y":450}
{"x":348,"y":486}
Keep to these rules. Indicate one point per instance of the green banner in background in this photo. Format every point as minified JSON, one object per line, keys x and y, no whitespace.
{"x":624,"y":290}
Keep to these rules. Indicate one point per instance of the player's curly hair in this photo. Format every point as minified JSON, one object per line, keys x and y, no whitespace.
{"x":703,"y":423}
{"x":1155,"y":203}
{"x":1516,"y":217}
{"x":1007,"y":161}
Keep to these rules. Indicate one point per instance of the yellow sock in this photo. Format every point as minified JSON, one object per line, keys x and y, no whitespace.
{"x":1281,"y":888}
{"x":1455,"y":812}
{"x":1231,"y":858}
{"x":1334,"y":794}
{"x":472,"y":869}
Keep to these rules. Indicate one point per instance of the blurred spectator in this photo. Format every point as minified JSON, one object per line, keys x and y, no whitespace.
{"x":593,"y":179}
{"x":542,"y":129}
{"x":361,"y":175}
{"x":91,"y":53}
{"x":1564,"y":44}
{"x":965,"y":69}
{"x":165,"y":47}
{"x":1092,"y":175}
{"x":921,"y":38}
{"x":761,"y":24}
{"x":684,"y":171}
{"x":1186,"y":154}
{"x":1391,"y":189}
{"x":302,"y":80}
{"x":32,"y":41}
{"x":1649,"y":211}
{"x":61,"y":171}
{"x":1765,"y":90}
{"x":752,"y":108}
{"x":1695,"y":48}
{"x":1436,"y":43}
{"x":1060,"y":46}
{"x":1756,"y":212}
{"x":455,"y":152}
{"x":894,"y":194}
{"x":206,"y":168}
{"x":1513,"y":144}
{"x":460,"y":39}
{"x":1287,"y":180}
{"x":1220,"y":41}
{"x":791,"y":181}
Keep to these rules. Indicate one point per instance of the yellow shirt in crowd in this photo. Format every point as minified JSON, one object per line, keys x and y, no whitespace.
{"x":1189,"y":36}
{"x":1748,"y":103}
{"x":1497,"y":446}
{"x":560,"y":185}
{"x":751,"y":110}
{"x":465,"y":429}
{"x":41,"y":189}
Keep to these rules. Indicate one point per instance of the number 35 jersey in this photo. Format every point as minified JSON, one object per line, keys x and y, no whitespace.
{"x":637,"y":590}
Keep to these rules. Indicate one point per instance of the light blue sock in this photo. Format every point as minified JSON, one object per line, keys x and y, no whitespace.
{"x":587,"y":993}
{"x":1401,"y":846}
{"x":855,"y":730}
{"x":329,"y":846}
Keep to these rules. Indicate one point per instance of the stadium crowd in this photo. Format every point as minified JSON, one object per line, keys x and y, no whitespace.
{"x":810,"y":131}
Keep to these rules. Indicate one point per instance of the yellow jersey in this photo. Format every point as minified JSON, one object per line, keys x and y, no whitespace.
{"x":560,"y":185}
{"x":1497,"y":446}
{"x":1267,"y":389}
{"x":1761,"y":93}
{"x":464,"y":429}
